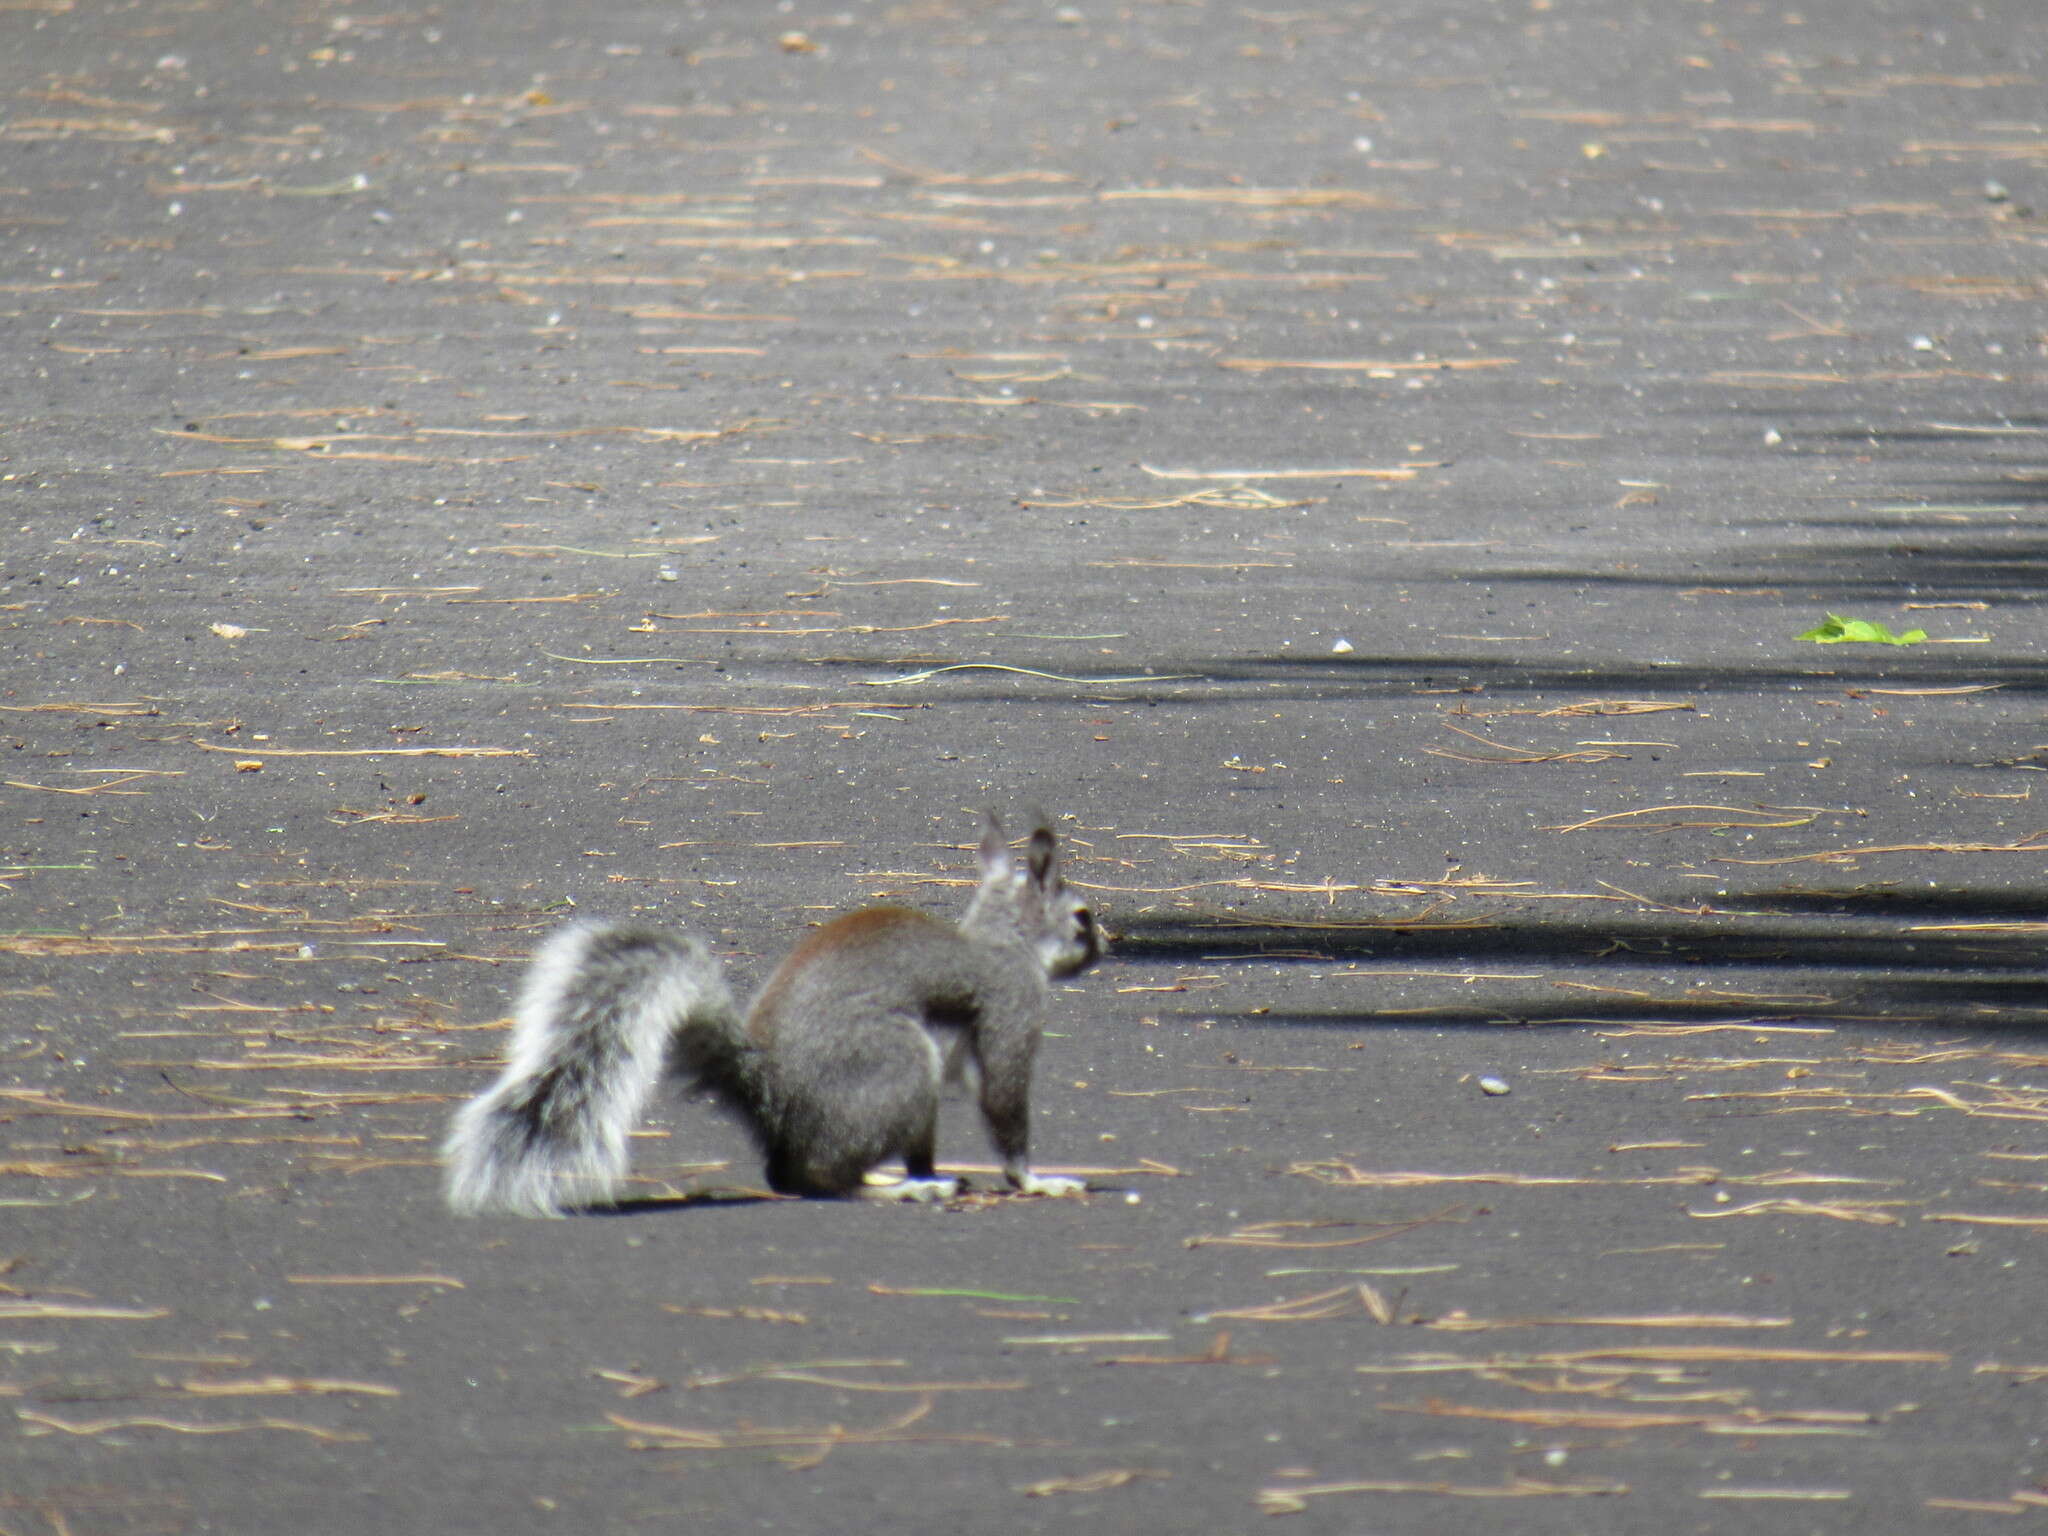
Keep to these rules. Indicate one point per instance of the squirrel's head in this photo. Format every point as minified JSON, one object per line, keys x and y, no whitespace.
{"x":1025,"y":894}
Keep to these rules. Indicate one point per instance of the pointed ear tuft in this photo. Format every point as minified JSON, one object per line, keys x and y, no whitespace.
{"x":995,"y":848}
{"x":1043,"y":854}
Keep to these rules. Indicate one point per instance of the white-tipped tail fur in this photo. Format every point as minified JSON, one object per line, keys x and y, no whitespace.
{"x":590,"y":1039}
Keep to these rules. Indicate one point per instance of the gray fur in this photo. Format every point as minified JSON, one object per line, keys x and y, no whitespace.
{"x":837,"y":1067}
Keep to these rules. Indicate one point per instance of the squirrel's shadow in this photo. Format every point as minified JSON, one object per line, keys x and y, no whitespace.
{"x":644,"y":1205}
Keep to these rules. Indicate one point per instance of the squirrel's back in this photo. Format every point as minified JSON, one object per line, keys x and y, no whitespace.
{"x":881,"y":962}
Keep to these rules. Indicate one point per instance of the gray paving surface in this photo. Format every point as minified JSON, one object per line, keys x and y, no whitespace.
{"x":1367,"y":465}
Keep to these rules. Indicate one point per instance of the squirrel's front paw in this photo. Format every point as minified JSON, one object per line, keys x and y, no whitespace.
{"x":1029,"y":1183}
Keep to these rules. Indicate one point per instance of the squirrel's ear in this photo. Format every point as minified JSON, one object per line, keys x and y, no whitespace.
{"x":995,"y":848}
{"x":1042,"y":852}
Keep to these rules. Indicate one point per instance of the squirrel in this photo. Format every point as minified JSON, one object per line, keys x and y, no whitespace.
{"x":836,"y":1067}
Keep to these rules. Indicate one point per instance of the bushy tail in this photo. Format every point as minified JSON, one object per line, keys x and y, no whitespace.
{"x":591,"y":1035}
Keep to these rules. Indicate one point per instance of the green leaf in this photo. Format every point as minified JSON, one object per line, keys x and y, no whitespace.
{"x":1836,"y":630}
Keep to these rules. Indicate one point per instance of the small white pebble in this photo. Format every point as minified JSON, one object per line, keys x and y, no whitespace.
{"x":1342,"y":648}
{"x":1493,"y":1085}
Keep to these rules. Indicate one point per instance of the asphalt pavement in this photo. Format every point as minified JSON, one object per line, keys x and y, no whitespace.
{"x":1572,"y":1058}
